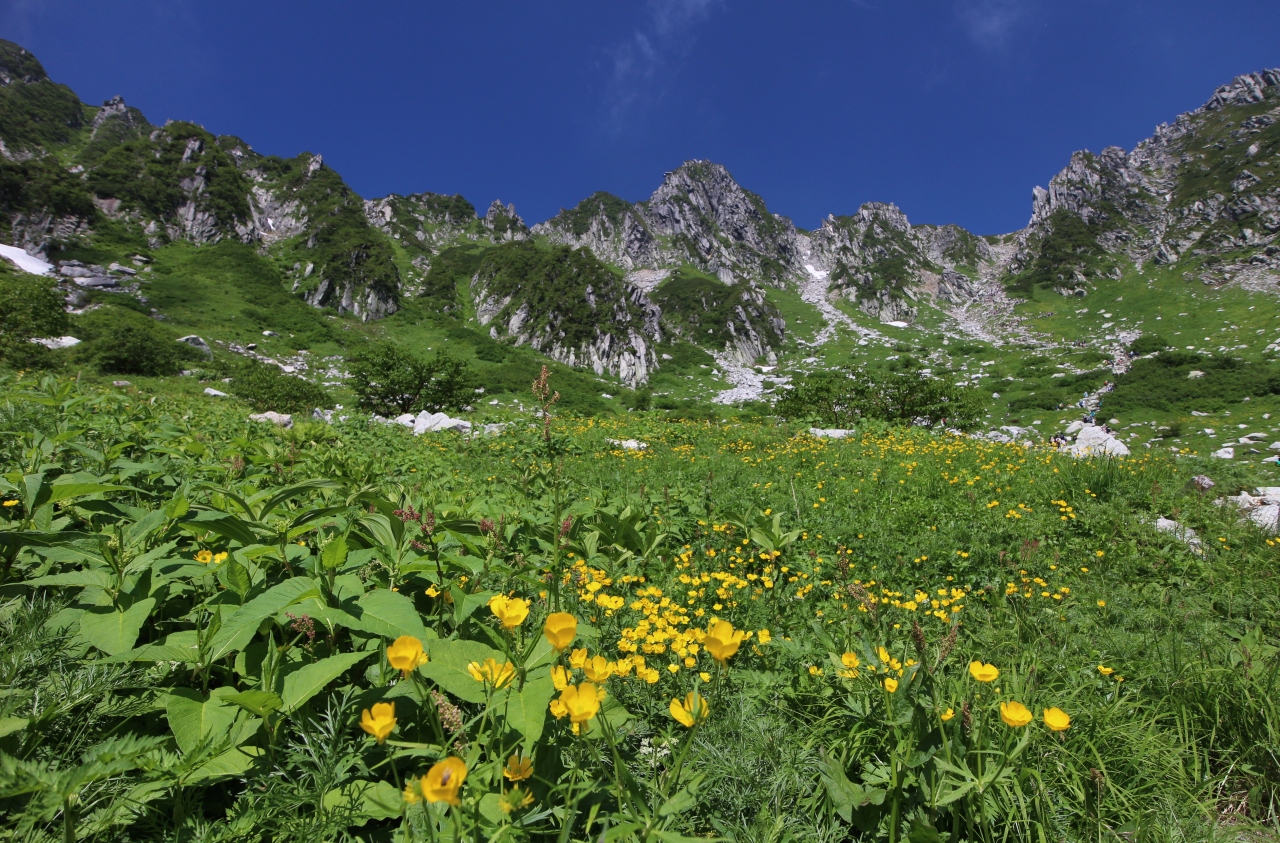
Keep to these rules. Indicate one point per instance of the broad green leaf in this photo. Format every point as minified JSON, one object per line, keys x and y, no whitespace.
{"x":193,"y":719}
{"x":231,"y":764}
{"x":261,"y":703}
{"x":66,"y":491}
{"x":9,"y":725}
{"x":239,"y":628}
{"x":76,"y":579}
{"x":373,"y":800}
{"x":176,"y":647}
{"x":526,"y":710}
{"x":464,"y":605}
{"x":309,"y":680}
{"x":221,"y":523}
{"x":112,"y":631}
{"x":335,"y":553}
{"x":235,"y":577}
{"x":448,"y":667}
{"x":390,"y":614}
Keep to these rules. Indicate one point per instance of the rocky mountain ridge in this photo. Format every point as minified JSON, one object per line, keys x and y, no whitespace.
{"x":694,"y":262}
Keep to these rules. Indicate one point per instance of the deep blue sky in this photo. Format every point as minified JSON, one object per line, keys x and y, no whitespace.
{"x":953,"y":109}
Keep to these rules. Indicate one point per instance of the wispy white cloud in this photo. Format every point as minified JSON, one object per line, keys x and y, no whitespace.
{"x":640,"y":65}
{"x":991,"y":23}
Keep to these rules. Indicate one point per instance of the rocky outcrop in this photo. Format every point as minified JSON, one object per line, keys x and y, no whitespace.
{"x":503,"y":224}
{"x":613,"y":230}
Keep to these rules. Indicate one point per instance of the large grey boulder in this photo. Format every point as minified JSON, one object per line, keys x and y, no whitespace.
{"x":1093,"y":441}
{"x":198,"y":344}
{"x":830,"y":433}
{"x":280,"y":419}
{"x":1186,"y":535}
{"x":214,"y":393}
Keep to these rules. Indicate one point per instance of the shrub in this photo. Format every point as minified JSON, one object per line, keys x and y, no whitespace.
{"x":1148,"y":343}
{"x":265,"y":387}
{"x":118,"y":341}
{"x":30,"y":306}
{"x":391,"y":380}
{"x":843,"y":397}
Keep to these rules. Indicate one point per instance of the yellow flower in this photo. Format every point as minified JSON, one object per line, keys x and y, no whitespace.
{"x":579,"y":703}
{"x":511,"y":611}
{"x":518,"y":768}
{"x":983,"y":672}
{"x":380,"y":720}
{"x":891,"y":684}
{"x":560,"y":629}
{"x":947,"y":715}
{"x":850,"y":660}
{"x":764,"y":636}
{"x":1106,"y":671}
{"x":578,"y":658}
{"x":204,"y":556}
{"x":1014,"y":714}
{"x":219,"y":558}
{"x":412,"y":792}
{"x":1057,"y":719}
{"x":405,"y":654}
{"x":432,"y":591}
{"x":1102,"y":604}
{"x":495,"y":674}
{"x":597,"y":669}
{"x":559,"y":677}
{"x":692,"y":711}
{"x":515,"y":799}
{"x":704,"y":676}
{"x":722,"y":640}
{"x":885,"y":658}
{"x":814,"y":670}
{"x":10,"y":503}
{"x":443,"y":781}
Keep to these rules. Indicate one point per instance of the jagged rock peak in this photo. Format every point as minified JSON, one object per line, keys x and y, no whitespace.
{"x":1244,"y":89}
{"x":18,"y":65}
{"x":503,"y":223}
{"x":613,"y":229}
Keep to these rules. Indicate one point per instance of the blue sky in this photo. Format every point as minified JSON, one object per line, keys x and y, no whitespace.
{"x":953,"y":109}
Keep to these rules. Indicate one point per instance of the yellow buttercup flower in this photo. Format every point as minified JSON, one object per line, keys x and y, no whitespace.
{"x":764,"y":636}
{"x":983,"y":672}
{"x":723,"y":640}
{"x":491,"y":672}
{"x":814,"y":670}
{"x":1015,"y":714}
{"x":219,"y":558}
{"x":510,"y":611}
{"x":1057,"y":719}
{"x":515,"y":799}
{"x":204,"y":556}
{"x":10,"y":503}
{"x":947,"y":715}
{"x":560,"y":630}
{"x":891,"y":684}
{"x":1106,"y":671}
{"x":579,"y":703}
{"x":405,"y":654}
{"x":443,"y":781}
{"x":578,"y":658}
{"x":850,"y":660}
{"x":412,"y":792}
{"x":692,"y":711}
{"x":380,"y":720}
{"x":560,"y":677}
{"x":518,"y":768}
{"x":885,"y":658}
{"x":597,"y":669}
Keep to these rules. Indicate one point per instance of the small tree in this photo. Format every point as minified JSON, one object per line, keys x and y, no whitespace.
{"x":844,"y":397}
{"x":391,"y":380}
{"x":30,"y":307}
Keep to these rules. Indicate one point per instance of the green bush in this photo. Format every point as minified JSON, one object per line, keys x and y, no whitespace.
{"x":265,"y":387}
{"x":1148,"y":343}
{"x":118,"y":341}
{"x":391,"y":380}
{"x":30,"y":306}
{"x":844,"y":397}
{"x":1164,"y":383}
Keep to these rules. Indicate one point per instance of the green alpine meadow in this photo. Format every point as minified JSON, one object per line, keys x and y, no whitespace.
{"x":332,"y":518}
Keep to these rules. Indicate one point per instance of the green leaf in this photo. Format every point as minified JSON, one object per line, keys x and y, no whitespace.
{"x":335,"y":553}
{"x":66,"y":491}
{"x":922,"y":832}
{"x":177,"y":647}
{"x":448,"y":667}
{"x":261,"y":703}
{"x":9,"y":725}
{"x":372,"y":800}
{"x":526,"y":710}
{"x":193,"y":719}
{"x":309,"y":680}
{"x":112,"y":631}
{"x":464,"y":605}
{"x":391,"y":614}
{"x":239,"y":628}
{"x":233,"y":763}
{"x":235,"y":577}
{"x":76,"y":579}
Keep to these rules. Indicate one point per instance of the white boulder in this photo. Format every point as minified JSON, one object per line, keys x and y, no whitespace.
{"x":281,"y":419}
